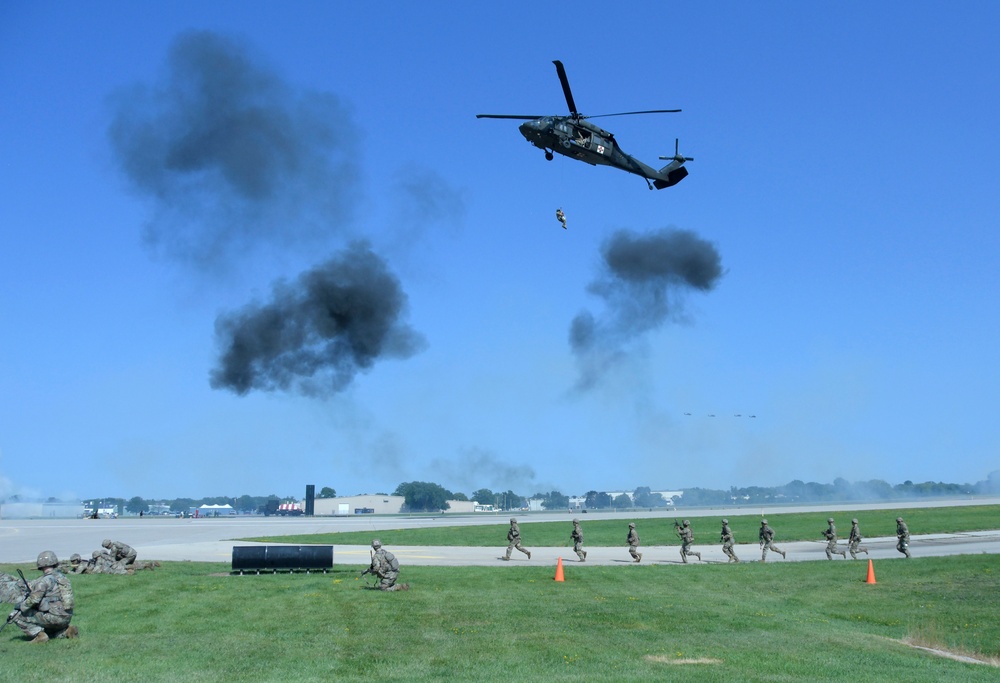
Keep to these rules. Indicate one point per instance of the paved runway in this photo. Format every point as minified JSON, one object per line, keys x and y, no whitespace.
{"x":212,"y":539}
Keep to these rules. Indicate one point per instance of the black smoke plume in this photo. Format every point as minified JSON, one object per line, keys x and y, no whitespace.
{"x":642,"y":282}
{"x":318,"y":332}
{"x":231,"y":156}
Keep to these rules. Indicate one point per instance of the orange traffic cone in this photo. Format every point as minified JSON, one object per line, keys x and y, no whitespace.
{"x":559,"y":571}
{"x":871,"y":573}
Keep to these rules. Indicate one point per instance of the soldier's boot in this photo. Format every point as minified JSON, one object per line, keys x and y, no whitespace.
{"x":843,"y":554}
{"x":864,"y":550}
{"x":584,"y":555}
{"x":907,"y":552}
{"x":505,"y":558}
{"x":528,"y":553}
{"x":638,"y":557}
{"x":782,"y":554}
{"x":68,"y":632}
{"x":735,"y":559}
{"x":829,"y":555}
{"x":41,"y":637}
{"x":854,"y":555}
{"x":684,"y":558}
{"x":698,"y":555}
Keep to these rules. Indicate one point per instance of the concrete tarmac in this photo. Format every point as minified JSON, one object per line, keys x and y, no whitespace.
{"x":212,"y":539}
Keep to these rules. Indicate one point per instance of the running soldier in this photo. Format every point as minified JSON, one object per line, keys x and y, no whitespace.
{"x":633,"y":543}
{"x":577,"y":536}
{"x":728,"y":541}
{"x":687,"y":538}
{"x":854,"y":541}
{"x":48,"y":606}
{"x":514,"y":540}
{"x":902,"y":536}
{"x":386,"y":567}
{"x":766,"y":535}
{"x":831,"y":541}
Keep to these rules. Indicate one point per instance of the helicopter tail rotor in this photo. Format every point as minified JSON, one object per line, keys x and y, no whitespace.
{"x":677,"y":157}
{"x":675,"y":171}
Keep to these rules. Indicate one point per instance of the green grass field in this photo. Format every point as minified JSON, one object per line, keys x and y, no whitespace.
{"x":747,"y":622}
{"x":799,"y":621}
{"x":660,"y":531}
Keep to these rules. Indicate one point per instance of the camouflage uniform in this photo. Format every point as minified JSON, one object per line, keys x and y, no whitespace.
{"x":766,"y":535}
{"x":74,"y":565}
{"x":120,"y":552}
{"x":902,"y":536}
{"x":728,"y":541}
{"x":831,"y":541}
{"x":577,"y":536}
{"x":687,"y":538}
{"x":102,"y":563}
{"x":854,"y":541}
{"x":561,"y":217}
{"x":48,"y":607}
{"x":514,"y":540}
{"x":633,"y":543}
{"x":12,"y":589}
{"x":386,"y":567}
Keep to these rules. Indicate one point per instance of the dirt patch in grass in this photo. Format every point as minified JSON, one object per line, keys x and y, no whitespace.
{"x":938,"y":650}
{"x":669,"y":659}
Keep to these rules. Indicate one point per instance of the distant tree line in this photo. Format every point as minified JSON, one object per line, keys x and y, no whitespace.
{"x":421,"y":496}
{"x":840,"y":490}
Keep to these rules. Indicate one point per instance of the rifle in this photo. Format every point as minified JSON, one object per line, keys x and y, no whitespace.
{"x":13,"y":615}
{"x":369,"y":570}
{"x":27,"y":588}
{"x":10,"y":618}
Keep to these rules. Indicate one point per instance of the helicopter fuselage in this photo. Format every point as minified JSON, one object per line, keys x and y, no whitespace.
{"x":581,"y":140}
{"x":575,"y":137}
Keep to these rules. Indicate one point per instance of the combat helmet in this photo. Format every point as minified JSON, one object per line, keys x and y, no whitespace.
{"x":75,"y":557}
{"x":96,"y":554}
{"x":513,"y":520}
{"x":687,"y":522}
{"x":632,"y":524}
{"x":854,"y":521}
{"x":576,"y":520}
{"x":46,"y":558}
{"x":763,"y":522}
{"x":899,"y":519}
{"x":829,"y":520}
{"x":725,"y":521}
{"x":106,"y":542}
{"x":376,"y":543}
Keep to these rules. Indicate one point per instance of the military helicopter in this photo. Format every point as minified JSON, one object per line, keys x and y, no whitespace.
{"x":576,"y":137}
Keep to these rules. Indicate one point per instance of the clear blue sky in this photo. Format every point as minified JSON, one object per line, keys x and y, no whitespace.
{"x":845,"y":172}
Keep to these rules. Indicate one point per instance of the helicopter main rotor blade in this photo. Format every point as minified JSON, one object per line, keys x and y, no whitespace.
{"x":628,"y":113}
{"x":506,"y":116}
{"x":565,"y":86}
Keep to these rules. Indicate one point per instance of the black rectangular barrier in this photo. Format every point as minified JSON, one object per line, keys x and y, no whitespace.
{"x":273,"y":558}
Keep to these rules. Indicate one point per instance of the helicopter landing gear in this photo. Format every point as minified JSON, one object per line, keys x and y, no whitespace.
{"x":548,"y":155}
{"x":648,"y":183}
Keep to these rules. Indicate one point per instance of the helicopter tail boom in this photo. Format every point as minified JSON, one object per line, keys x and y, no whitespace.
{"x":672,"y":177}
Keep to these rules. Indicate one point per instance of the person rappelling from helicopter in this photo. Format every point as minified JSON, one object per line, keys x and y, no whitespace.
{"x":561,"y":217}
